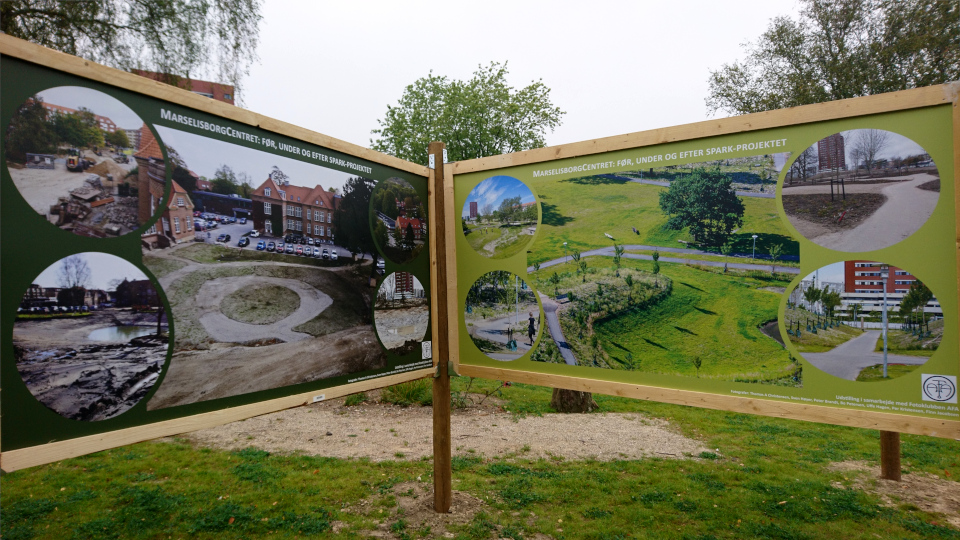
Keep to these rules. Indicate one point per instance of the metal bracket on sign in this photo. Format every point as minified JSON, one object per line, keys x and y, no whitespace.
{"x":450,"y":371}
{"x":431,"y":161}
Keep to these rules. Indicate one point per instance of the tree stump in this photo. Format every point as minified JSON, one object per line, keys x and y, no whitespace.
{"x":572,"y":401}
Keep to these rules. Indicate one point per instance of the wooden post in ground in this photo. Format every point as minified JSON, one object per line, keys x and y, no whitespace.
{"x":890,"y":455}
{"x":442,"y":466}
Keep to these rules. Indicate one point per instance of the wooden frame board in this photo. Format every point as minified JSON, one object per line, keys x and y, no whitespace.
{"x":468,"y":173}
{"x":111,"y":433}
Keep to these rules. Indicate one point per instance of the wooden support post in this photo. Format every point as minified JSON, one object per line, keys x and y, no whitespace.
{"x":442,"y":466}
{"x":890,"y":455}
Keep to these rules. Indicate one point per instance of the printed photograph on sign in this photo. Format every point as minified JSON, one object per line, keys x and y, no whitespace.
{"x":499,"y":218}
{"x":84,"y":161}
{"x":860,"y":190}
{"x":502,"y":315}
{"x":91,"y":336}
{"x":269,"y":270}
{"x":836,"y":318}
{"x":399,"y":220}
{"x":401,"y":313}
{"x":673,"y":270}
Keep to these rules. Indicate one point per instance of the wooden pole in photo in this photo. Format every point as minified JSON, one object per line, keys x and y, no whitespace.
{"x":890,"y":455}
{"x":442,"y":465}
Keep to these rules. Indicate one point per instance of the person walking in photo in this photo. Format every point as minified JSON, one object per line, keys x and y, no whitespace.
{"x":531,"y":329}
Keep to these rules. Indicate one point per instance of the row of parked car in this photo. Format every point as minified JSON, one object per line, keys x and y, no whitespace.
{"x":298,"y":249}
{"x":55,"y":309}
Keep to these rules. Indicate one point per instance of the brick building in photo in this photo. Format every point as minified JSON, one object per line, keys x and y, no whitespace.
{"x":415,"y":224}
{"x":176,"y":221}
{"x":862,"y":284}
{"x":831,"y":153}
{"x":473,"y":209}
{"x":279,"y":208}
{"x":212,"y":90}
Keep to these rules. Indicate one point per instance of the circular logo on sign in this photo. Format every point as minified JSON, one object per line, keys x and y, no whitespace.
{"x":939,"y":388}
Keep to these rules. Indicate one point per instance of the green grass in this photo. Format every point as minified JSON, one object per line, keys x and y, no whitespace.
{"x":900,"y":342}
{"x":161,"y":266}
{"x":418,"y":392}
{"x":263,"y":304}
{"x":579,"y":211}
{"x":508,"y":240}
{"x":824,"y":340}
{"x":160,"y":490}
{"x":875,"y":373}
{"x":719,"y":258}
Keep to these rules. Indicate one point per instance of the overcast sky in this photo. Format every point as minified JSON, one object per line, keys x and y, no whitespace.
{"x":75,"y":97}
{"x":614,"y":67}
{"x":831,"y":273}
{"x":104,"y":268}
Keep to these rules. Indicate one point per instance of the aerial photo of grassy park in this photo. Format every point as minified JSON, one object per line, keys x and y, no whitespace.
{"x":633,"y":278}
{"x":502,"y":315}
{"x":861,"y":190}
{"x":499,"y":217}
{"x":838,"y":327}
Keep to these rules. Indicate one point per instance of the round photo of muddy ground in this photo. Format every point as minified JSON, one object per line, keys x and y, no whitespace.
{"x":836,"y":318}
{"x":502,"y":315}
{"x":399,"y":220}
{"x":91,"y":336}
{"x":860,"y":190}
{"x":84,"y":161}
{"x":401,"y":313}
{"x":499,"y":217}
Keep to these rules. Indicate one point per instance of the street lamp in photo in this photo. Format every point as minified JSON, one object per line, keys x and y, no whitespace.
{"x":564,"y":253}
{"x":885,"y":275}
{"x":754,"y":247}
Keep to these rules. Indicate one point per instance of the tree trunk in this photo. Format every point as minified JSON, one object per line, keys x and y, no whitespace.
{"x":572,"y":401}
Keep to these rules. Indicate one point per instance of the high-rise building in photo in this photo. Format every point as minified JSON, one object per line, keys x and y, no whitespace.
{"x":832,"y":153}
{"x":473,"y":209}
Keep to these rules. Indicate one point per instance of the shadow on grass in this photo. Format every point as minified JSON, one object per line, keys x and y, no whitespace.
{"x":694,"y":287}
{"x":655,"y":344}
{"x":553,"y":217}
{"x":598,"y":180}
{"x":619,"y":346}
{"x":705,"y":311}
{"x":685,"y":331}
{"x":743,"y":243}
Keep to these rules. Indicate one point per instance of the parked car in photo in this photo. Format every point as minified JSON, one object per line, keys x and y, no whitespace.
{"x":280,"y":247}
{"x":223,"y":238}
{"x":254,"y":233}
{"x":243,"y":242}
{"x":316,"y":252}
{"x":271,"y":246}
{"x":381,"y":266}
{"x":289,"y":249}
{"x":242,"y":221}
{"x":325,"y":253}
{"x":299,"y":250}
{"x":261,"y":245}
{"x":309,"y":241}
{"x":334,"y":255}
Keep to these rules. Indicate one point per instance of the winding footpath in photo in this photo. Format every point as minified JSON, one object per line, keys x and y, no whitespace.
{"x":849,"y":359}
{"x":609,"y":252}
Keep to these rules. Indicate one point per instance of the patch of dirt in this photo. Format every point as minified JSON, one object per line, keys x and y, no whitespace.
{"x":108,"y":166}
{"x":260,"y":304}
{"x":928,"y":492}
{"x":397,"y":327}
{"x":414,"y":505}
{"x":820,"y":210}
{"x":933,"y":185}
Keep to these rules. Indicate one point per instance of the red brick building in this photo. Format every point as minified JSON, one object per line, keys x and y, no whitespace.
{"x":280,"y":208}
{"x":217,"y":91}
{"x":176,"y":222}
{"x":864,"y":277}
{"x":415,"y":224}
{"x":106,"y":124}
{"x":473,"y":209}
{"x":831,"y":153}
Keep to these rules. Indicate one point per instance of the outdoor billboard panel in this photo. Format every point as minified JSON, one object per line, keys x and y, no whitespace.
{"x":742,"y":268}
{"x":171,"y":262}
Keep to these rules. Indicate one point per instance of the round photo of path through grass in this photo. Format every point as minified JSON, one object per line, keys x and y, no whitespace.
{"x":835,"y":318}
{"x":860,"y":190}
{"x":91,"y":336}
{"x":401,"y":313}
{"x":399,"y":220}
{"x":502,"y":315}
{"x":499,"y":218}
{"x":84,"y":161}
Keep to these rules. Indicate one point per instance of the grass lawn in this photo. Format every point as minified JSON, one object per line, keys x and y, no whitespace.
{"x":504,"y":241}
{"x":718,"y":258}
{"x":901,"y":342}
{"x":579,"y":211}
{"x":265,"y":304}
{"x":875,"y":373}
{"x":768,"y":478}
{"x":161,"y":266}
{"x":710,"y":315}
{"x":824,"y":340}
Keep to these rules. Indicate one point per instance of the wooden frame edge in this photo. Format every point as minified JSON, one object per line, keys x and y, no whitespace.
{"x":450,"y":223}
{"x":833,"y":110}
{"x":763,"y":407}
{"x":22,"y":458}
{"x":30,"y":52}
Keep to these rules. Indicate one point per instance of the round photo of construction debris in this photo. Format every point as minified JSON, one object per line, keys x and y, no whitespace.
{"x":860,"y":190}
{"x":91,"y":336}
{"x":864,"y":320}
{"x":502,"y":315}
{"x":84,"y":161}
{"x":499,"y":217}
{"x":401,"y":313}
{"x":399,"y":220}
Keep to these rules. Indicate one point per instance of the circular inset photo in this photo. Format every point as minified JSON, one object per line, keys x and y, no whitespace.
{"x":399,"y":220}
{"x":91,"y":336}
{"x":502,"y":315}
{"x":499,"y":218}
{"x":837,"y":320}
{"x":401,"y":313}
{"x":860,"y":190}
{"x":85,"y":161}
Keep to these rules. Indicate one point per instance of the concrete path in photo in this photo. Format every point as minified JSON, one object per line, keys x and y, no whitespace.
{"x":224,"y":329}
{"x":849,"y":359}
{"x":609,"y":252}
{"x":907,"y":208}
{"x":553,"y":322}
{"x":495,"y":330}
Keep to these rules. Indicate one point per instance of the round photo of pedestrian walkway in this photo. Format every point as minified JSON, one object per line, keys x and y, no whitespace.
{"x":91,"y":336}
{"x":401,"y":313}
{"x":502,"y":315}
{"x":838,"y":315}
{"x":85,"y":161}
{"x":399,"y":220}
{"x":499,"y":217}
{"x":860,"y":190}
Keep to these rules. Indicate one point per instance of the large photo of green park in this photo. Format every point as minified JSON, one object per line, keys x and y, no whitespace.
{"x":677,"y":270}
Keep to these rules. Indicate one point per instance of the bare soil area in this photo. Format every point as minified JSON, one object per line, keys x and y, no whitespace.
{"x":824,"y":212}
{"x":398,"y":326}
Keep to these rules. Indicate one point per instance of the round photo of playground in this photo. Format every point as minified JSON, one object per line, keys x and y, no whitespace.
{"x":836,"y":318}
{"x":860,"y":190}
{"x":401,"y":313}
{"x":73,"y":154}
{"x":91,"y":336}
{"x":499,"y":218}
{"x":399,"y":220}
{"x":502,"y":315}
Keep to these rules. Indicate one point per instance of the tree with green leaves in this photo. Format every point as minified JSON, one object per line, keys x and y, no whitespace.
{"x":583,"y":269}
{"x":30,"y":131}
{"x":118,"y":138}
{"x":480,"y":117}
{"x":224,"y":181}
{"x":180,"y":38}
{"x":351,"y":220}
{"x":830,"y":300}
{"x":617,"y":256}
{"x":776,"y":251}
{"x":840,"y":49}
{"x":726,"y":249}
{"x":380,"y":233}
{"x":509,"y":208}
{"x":575,"y":256}
{"x":656,"y":262}
{"x":705,"y":202}
{"x":812,"y":295}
